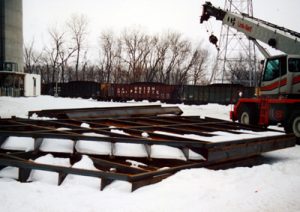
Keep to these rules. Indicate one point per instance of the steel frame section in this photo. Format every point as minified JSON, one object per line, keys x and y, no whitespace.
{"x":112,"y":167}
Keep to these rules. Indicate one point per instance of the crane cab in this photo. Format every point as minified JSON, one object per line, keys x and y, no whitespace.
{"x":281,"y":77}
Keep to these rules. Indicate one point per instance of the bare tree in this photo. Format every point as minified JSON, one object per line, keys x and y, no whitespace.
{"x":78,"y":26}
{"x":173,"y":54}
{"x":239,"y":70}
{"x":175,"y":61}
{"x":178,"y":50}
{"x":32,"y":58}
{"x":45,"y":68}
{"x":84,"y":65}
{"x":64,"y":55}
{"x":199,"y":67}
{"x":136,"y":49}
{"x":160,"y":59}
{"x":119,"y":72}
{"x":168,"y":58}
{"x":91,"y":72}
{"x":57,"y":40}
{"x":108,"y":54}
{"x":184,"y":62}
{"x":131,"y":57}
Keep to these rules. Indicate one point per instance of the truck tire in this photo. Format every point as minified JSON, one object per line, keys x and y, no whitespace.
{"x":247,"y":115}
{"x":293,"y":125}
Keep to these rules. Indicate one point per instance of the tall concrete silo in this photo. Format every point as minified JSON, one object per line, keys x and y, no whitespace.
{"x":11,"y":48}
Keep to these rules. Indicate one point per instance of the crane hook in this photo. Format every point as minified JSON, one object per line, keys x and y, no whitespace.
{"x":214,"y":40}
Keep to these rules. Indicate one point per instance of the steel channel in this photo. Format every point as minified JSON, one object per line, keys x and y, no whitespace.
{"x":209,"y":126}
{"x":197,"y":126}
{"x":48,"y":129}
{"x":66,"y":170}
{"x":175,"y":143}
{"x":249,"y":147}
{"x":138,"y":129}
{"x":109,"y":112}
{"x":239,"y":125}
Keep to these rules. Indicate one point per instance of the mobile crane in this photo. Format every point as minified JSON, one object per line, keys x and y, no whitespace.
{"x":278,"y":99}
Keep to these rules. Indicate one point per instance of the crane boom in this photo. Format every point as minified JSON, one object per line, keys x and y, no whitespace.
{"x":278,"y":37}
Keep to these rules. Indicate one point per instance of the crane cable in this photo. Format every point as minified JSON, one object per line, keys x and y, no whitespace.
{"x":212,"y":38}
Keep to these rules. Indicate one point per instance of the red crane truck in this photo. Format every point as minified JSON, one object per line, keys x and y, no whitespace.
{"x":278,"y":98}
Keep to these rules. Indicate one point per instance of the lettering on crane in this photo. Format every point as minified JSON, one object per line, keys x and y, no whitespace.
{"x":244,"y":26}
{"x":231,"y":20}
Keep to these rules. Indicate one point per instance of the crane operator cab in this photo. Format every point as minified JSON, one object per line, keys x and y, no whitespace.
{"x":281,"y":77}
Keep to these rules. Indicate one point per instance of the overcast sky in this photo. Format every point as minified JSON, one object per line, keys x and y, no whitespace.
{"x":153,"y":16}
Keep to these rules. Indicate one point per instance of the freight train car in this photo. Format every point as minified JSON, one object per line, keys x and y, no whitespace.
{"x":50,"y":88}
{"x":144,"y":91}
{"x":215,"y":93}
{"x":83,"y":89}
{"x":189,"y":94}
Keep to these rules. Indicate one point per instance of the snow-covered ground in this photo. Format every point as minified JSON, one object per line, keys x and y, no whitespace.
{"x":273,"y":186}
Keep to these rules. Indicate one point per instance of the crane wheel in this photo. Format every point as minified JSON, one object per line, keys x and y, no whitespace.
{"x":293,"y":125}
{"x":247,"y":115}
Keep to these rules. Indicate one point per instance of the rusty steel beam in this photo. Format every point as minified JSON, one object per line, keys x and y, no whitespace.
{"x":248,"y":147}
{"x":237,"y":125}
{"x":127,"y":111}
{"x":176,"y":142}
{"x":25,"y":166}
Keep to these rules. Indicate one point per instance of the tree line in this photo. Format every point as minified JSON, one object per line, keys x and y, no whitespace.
{"x":131,"y":56}
{"x":127,"y":57}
